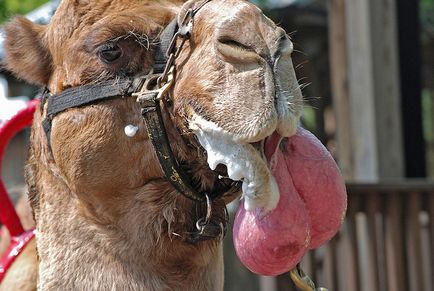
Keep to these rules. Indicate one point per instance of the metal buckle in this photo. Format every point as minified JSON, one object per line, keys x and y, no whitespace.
{"x":151,"y":91}
{"x":184,"y":32}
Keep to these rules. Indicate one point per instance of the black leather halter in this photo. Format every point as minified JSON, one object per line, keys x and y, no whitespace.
{"x":150,"y":91}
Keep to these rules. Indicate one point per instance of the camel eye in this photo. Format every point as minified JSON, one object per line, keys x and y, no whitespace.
{"x":110,"y":52}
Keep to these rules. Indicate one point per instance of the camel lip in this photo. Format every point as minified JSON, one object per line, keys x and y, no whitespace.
{"x":245,"y":163}
{"x":260,"y":147}
{"x":229,"y":186}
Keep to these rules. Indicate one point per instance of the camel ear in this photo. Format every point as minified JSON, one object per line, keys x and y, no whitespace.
{"x":27,"y":55}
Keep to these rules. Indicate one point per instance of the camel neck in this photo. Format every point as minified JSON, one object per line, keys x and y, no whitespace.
{"x":138,"y":251}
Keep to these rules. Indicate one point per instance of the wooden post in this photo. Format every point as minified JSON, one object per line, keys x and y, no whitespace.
{"x":339,"y":84}
{"x":366,"y":91}
{"x":387,"y":90}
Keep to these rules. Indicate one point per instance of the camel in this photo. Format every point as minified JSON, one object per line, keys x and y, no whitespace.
{"x":107,"y":218}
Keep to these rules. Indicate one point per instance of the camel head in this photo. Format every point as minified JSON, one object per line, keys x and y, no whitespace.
{"x":235,"y":75}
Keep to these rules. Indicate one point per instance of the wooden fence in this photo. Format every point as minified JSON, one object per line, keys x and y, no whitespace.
{"x":385,"y":244}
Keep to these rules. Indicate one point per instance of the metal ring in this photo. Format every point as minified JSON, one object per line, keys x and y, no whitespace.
{"x":200,"y":223}
{"x":208,"y":207}
{"x":189,"y":13}
{"x":205,"y":220}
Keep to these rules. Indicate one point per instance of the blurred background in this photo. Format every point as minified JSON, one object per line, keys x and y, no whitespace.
{"x":367,"y":72}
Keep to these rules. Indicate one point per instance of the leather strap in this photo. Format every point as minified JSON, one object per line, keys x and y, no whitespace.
{"x":151,"y":112}
{"x":150,"y":100}
{"x":160,"y":56}
{"x":87,"y":94}
{"x":84,"y":95}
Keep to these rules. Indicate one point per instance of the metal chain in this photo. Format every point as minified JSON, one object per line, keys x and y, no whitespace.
{"x":184,"y":33}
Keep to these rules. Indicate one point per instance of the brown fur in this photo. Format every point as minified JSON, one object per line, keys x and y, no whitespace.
{"x":106,"y":217}
{"x":32,"y":65}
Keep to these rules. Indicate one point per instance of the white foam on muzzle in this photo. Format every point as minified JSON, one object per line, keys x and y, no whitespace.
{"x":244,"y":163}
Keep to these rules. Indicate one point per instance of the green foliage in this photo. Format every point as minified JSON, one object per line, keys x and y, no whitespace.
{"x":427,"y":3}
{"x":427,"y":19}
{"x":261,"y":3}
{"x":428,"y":118}
{"x":8,"y":8}
{"x":428,"y":126}
{"x":309,"y":117}
{"x":264,"y":5}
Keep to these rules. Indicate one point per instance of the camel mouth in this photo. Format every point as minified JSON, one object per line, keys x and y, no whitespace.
{"x":224,"y":185}
{"x":260,"y":147}
{"x":245,"y":163}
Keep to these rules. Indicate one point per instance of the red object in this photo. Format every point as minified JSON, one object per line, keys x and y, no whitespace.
{"x":309,"y":213}
{"x":18,"y":243}
{"x":8,"y":215}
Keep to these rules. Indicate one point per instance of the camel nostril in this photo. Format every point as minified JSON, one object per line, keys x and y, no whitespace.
{"x":235,"y":44}
{"x":285,"y":46}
